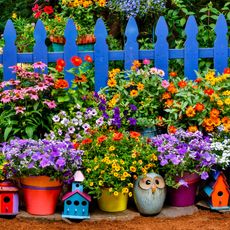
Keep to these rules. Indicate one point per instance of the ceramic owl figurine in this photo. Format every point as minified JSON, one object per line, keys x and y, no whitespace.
{"x":149,"y":193}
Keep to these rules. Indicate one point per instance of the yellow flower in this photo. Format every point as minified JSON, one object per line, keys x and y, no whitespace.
{"x":100,"y":182}
{"x":143,"y":170}
{"x":102,"y":171}
{"x":227,"y":101}
{"x":126,"y":174}
{"x":154,"y":157}
{"x":130,"y":185}
{"x":220,"y":102}
{"x":134,"y":155}
{"x":133,"y":93}
{"x":88,"y":170}
{"x":112,"y":82}
{"x":123,"y":178}
{"x":117,"y":168}
{"x":140,"y":86}
{"x":110,"y":189}
{"x":115,"y":193}
{"x":130,"y":194}
{"x":115,"y":174}
{"x":14,"y":15}
{"x":140,"y":162}
{"x":96,"y":167}
{"x":125,"y":190}
{"x":133,"y":169}
{"x":91,"y":184}
{"x":226,"y":93}
{"x":190,"y":112}
{"x":111,"y":148}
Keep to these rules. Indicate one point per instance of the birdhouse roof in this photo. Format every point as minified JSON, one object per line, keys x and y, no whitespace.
{"x":83,"y":194}
{"x":7,"y":186}
{"x":225,"y":181}
{"x":78,"y":176}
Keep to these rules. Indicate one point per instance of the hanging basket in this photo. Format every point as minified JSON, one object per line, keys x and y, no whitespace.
{"x":40,"y":194}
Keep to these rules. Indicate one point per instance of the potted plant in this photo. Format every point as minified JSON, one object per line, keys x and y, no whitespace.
{"x":112,"y":161}
{"x":202,"y":104}
{"x":184,"y":158}
{"x":42,"y":166}
{"x":139,"y":88}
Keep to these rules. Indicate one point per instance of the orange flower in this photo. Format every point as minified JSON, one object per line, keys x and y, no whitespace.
{"x":198,"y":80}
{"x":225,"y":120}
{"x":76,"y":145}
{"x":209,"y":91}
{"x":140,"y":86}
{"x":192,"y":129}
{"x":136,"y":64}
{"x":169,"y":103}
{"x":160,"y":121}
{"x":59,"y":68}
{"x":199,"y":107}
{"x":182,"y":84}
{"x":86,"y":141}
{"x":216,"y":121}
{"x":133,"y":93}
{"x":214,"y":113}
{"x":88,"y":59}
{"x":209,"y":128}
{"x":60,"y":62}
{"x":190,"y":112}
{"x":173,"y":74}
{"x":134,"y":134}
{"x":82,"y":78}
{"x":76,"y":60}
{"x":61,"y":84}
{"x":207,"y":122}
{"x":166,"y":95}
{"x":172,"y":89}
{"x":101,"y":138}
{"x":172,"y":129}
{"x":227,"y":71}
{"x":117,"y":136}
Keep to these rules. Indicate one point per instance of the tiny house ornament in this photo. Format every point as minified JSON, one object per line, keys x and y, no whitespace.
{"x":76,"y":202}
{"x":149,"y":193}
{"x":8,"y":199}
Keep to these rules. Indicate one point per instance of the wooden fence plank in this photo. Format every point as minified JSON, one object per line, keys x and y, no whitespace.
{"x":9,"y":51}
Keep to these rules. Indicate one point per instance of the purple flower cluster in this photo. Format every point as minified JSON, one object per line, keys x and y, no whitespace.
{"x":27,"y":157}
{"x":184,"y":151}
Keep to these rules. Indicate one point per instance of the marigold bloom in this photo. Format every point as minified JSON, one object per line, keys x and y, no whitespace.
{"x":172,"y":129}
{"x":192,"y":129}
{"x":199,"y":107}
{"x":209,"y":128}
{"x":112,"y":82}
{"x":101,"y":138}
{"x":182,"y":84}
{"x":209,"y":91}
{"x":216,"y":121}
{"x":214,"y":113}
{"x":136,"y":64}
{"x":140,"y":86}
{"x":169,"y":103}
{"x":117,"y":136}
{"x":81,"y":78}
{"x":86,"y":141}
{"x":166,"y":95}
{"x":225,"y":120}
{"x":190,"y":112}
{"x":88,"y":58}
{"x":173,"y":74}
{"x":134,"y":134}
{"x":61,"y":84}
{"x":59,"y":68}
{"x":77,"y":61}
{"x":60,"y":62}
{"x":133,"y":93}
{"x":172,"y":89}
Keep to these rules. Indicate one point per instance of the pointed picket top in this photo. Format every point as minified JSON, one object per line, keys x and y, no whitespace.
{"x":78,"y":176}
{"x":162,"y":46}
{"x":101,"y":55}
{"x":221,"y":45}
{"x":162,"y":28}
{"x":191,"y":48}
{"x":9,"y":51}
{"x":70,"y":30}
{"x":131,"y":30}
{"x":100,"y":30}
{"x":40,"y":52}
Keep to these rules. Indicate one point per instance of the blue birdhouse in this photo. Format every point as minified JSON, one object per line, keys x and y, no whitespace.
{"x":76,"y":202}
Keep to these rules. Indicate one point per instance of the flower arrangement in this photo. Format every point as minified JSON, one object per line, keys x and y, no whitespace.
{"x":27,"y":157}
{"x":26,"y":104}
{"x":140,"y":88}
{"x":113,"y":160}
{"x":183,"y":152}
{"x":201,"y":104}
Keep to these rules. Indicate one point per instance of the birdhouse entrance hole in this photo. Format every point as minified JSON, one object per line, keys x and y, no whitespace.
{"x":6,"y":199}
{"x":220,"y":193}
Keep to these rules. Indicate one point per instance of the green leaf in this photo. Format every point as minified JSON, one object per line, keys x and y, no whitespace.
{"x":29,"y":131}
{"x":7,"y":132}
{"x":182,"y":21}
{"x":63,"y":99}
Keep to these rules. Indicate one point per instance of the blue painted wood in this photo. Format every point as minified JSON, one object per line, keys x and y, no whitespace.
{"x":191,"y":48}
{"x":221,"y":45}
{"x":131,"y":45}
{"x":70,"y":48}
{"x":40,"y":49}
{"x":161,"y":46}
{"x":9,"y":51}
{"x":101,"y":57}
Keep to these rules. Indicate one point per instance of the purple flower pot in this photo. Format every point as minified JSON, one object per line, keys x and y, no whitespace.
{"x":184,"y":195}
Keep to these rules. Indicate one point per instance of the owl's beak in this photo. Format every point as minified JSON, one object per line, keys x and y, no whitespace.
{"x":154,"y":188}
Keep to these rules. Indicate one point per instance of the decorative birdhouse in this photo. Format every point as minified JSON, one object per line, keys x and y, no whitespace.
{"x":8,"y":199}
{"x":76,"y":202}
{"x":218,"y":192}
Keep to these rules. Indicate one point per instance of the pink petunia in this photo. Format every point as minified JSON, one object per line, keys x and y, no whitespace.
{"x":146,"y":61}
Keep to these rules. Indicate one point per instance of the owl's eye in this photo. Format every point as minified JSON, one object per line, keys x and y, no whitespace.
{"x":146,"y":183}
{"x":159,"y":182}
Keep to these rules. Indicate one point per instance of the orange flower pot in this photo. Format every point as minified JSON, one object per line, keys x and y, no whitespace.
{"x":40,"y":194}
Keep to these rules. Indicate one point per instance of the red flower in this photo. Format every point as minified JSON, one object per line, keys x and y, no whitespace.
{"x":59,"y":68}
{"x":61,"y":84}
{"x":60,"y":62}
{"x":173,"y":74}
{"x":86,"y":141}
{"x":134,"y":134}
{"x":209,"y":91}
{"x":182,"y":84}
{"x":199,"y":107}
{"x":48,"y":9}
{"x":198,"y":80}
{"x":101,"y":138}
{"x":88,"y":59}
{"x":35,"y":8}
{"x":117,"y":136}
{"x":76,"y":145}
{"x":76,"y":60}
{"x":227,"y":71}
{"x":172,"y":129}
{"x":37,"y":14}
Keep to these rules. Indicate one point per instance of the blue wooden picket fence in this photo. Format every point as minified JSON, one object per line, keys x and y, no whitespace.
{"x":161,"y":54}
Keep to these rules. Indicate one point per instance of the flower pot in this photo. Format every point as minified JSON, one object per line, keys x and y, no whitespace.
{"x":40,"y":194}
{"x":184,"y":195}
{"x":110,"y":203}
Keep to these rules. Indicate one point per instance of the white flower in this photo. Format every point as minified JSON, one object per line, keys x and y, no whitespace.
{"x":56,"y":118}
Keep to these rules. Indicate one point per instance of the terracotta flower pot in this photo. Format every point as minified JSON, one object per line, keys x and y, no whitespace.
{"x":40,"y":194}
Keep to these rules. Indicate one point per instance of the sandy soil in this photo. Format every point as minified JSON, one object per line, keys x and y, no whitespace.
{"x":204,"y":219}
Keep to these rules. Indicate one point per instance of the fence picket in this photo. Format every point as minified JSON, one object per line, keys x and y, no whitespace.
{"x":162,"y":46}
{"x":9,"y":51}
{"x":191,"y":48}
{"x":131,"y":45}
{"x":101,"y":55}
{"x":221,"y":45}
{"x":40,"y":51}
